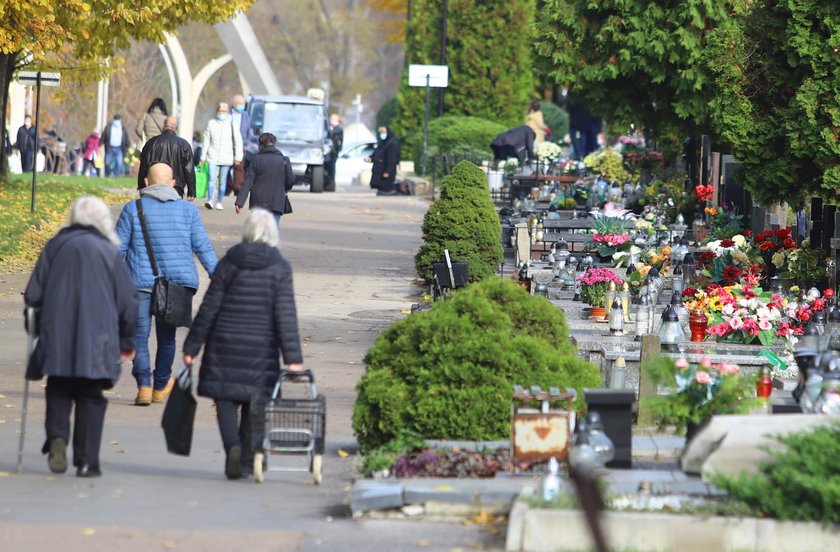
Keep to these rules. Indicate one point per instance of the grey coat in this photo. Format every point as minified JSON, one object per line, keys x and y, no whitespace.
{"x":88,"y":307}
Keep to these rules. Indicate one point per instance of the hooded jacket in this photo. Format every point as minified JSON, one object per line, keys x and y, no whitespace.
{"x":248,"y":317}
{"x":88,"y":307}
{"x":385,"y":159}
{"x":176,"y":232}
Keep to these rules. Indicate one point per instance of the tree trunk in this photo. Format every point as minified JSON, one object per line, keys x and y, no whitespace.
{"x":7,"y":69}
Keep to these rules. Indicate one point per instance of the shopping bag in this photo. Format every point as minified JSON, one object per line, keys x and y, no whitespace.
{"x":202,"y":175}
{"x":179,"y":415}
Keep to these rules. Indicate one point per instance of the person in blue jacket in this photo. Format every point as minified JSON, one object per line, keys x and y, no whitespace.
{"x":176,"y":233}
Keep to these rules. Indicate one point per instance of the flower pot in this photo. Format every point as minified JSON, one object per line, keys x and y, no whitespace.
{"x":598,"y":313}
{"x":698,"y":323}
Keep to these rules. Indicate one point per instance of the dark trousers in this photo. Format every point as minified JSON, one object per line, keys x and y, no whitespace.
{"x":90,"y":403}
{"x":27,"y":160}
{"x":234,"y":419}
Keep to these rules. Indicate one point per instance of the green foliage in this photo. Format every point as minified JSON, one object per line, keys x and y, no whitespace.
{"x":464,"y":221}
{"x":778,"y":96}
{"x":382,"y":458}
{"x":800,"y":483}
{"x":633,"y":62}
{"x":687,"y":400}
{"x":456,"y":134}
{"x":556,"y":119}
{"x":387,"y":113}
{"x":489,"y":57}
{"x":448,"y":372}
{"x":609,"y":164}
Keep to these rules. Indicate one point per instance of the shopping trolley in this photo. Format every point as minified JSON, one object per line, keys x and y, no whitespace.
{"x":293,"y":426}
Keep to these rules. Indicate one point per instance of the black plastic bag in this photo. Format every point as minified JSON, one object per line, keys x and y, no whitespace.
{"x":179,"y":415}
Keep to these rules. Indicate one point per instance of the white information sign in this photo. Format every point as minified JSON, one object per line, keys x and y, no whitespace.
{"x":438,"y":75}
{"x":31,"y":78}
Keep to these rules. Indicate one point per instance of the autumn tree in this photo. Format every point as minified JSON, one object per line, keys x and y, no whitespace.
{"x":36,"y":31}
{"x":634,"y":62}
{"x":488,"y":51}
{"x":777,"y":97}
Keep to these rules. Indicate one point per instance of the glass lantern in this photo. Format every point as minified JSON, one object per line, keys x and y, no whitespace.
{"x":616,"y":317}
{"x":602,"y":445}
{"x":671,"y":333}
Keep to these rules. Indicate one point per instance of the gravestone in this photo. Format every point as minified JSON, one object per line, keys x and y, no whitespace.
{"x":735,"y":194}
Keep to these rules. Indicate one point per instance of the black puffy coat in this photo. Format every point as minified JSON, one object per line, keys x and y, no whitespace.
{"x":520,"y":139}
{"x":385,"y":159}
{"x":247,"y":318}
{"x":267,"y":179}
{"x":176,"y":152}
{"x":88,"y":307}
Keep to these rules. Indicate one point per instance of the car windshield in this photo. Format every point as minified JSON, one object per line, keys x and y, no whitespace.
{"x":291,"y":121}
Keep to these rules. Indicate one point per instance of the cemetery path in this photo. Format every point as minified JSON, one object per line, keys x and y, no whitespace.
{"x":353,"y":260}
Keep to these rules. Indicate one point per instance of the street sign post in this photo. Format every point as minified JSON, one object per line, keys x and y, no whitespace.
{"x":37,"y":79}
{"x":428,"y":76}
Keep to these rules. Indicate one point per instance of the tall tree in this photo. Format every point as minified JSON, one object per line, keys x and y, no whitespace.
{"x":633,"y":62}
{"x":778,"y":96}
{"x":91,"y":29}
{"x":488,"y":51}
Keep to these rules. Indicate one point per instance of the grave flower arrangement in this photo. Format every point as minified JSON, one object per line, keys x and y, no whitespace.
{"x":728,"y":260}
{"x":776,"y":247}
{"x":611,"y":230}
{"x":692,"y":393}
{"x":547,"y":151}
{"x":594,"y":284}
{"x":744,"y":314}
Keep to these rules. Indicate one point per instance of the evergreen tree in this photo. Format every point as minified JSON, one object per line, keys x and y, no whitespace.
{"x":488,"y":45}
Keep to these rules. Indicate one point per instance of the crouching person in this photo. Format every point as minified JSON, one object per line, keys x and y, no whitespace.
{"x":88,"y":314}
{"x":248,"y":317}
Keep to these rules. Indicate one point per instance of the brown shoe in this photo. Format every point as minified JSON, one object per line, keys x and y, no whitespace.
{"x":144,"y":396}
{"x":159,"y":395}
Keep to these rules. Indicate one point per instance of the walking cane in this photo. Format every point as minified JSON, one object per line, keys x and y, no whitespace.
{"x":30,"y":346}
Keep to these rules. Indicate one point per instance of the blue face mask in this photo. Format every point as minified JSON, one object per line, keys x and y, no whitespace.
{"x":239,"y":108}
{"x":222,"y":116}
{"x":383,"y":136}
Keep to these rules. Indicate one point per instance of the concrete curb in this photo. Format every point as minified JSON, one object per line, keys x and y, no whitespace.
{"x":542,"y":530}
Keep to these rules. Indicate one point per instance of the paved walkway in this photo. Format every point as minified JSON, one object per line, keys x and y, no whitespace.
{"x":353,"y":256}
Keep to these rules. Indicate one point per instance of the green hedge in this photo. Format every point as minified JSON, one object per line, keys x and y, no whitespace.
{"x":556,"y":119}
{"x":464,"y":221}
{"x":457,"y":135}
{"x":448,"y":373}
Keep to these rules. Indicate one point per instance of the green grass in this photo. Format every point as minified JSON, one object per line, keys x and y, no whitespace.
{"x":23,"y":234}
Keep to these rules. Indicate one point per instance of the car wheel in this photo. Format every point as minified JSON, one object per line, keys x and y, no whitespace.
{"x":317,"y":185}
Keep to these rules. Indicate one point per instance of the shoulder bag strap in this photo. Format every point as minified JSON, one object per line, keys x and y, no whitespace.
{"x":146,"y":238}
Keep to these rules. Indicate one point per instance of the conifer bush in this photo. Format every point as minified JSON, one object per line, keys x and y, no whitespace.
{"x":447,"y":373}
{"x":464,"y":221}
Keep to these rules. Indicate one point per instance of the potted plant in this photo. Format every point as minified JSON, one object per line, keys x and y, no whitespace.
{"x":593,"y":288}
{"x":695,"y":393}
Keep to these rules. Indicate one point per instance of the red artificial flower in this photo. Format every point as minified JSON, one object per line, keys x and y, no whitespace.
{"x":731,"y":274}
{"x":747,"y":233}
{"x":818,"y":304}
{"x":705,"y":257}
{"x":788,"y":243}
{"x":766,"y":246}
{"x":689,"y":292}
{"x":727,"y":242}
{"x":828,"y":293}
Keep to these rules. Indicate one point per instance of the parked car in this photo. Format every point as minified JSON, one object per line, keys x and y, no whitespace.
{"x":301,"y":126}
{"x":351,"y":161}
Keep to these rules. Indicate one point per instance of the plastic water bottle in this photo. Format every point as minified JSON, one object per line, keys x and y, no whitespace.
{"x":551,"y":481}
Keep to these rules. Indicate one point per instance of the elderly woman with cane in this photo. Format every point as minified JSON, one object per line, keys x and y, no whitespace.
{"x":88,"y":312}
{"x":248,"y":317}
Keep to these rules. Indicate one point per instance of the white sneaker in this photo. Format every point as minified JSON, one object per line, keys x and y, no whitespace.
{"x":208,"y":205}
{"x":219,"y":206}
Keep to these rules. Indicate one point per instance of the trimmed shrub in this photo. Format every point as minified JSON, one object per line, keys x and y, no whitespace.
{"x":556,"y":118}
{"x":457,"y":135}
{"x":447,"y":373}
{"x":465,"y":222}
{"x":801,"y":483}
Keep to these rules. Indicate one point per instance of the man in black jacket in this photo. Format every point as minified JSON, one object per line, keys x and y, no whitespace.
{"x":268,"y":179}
{"x":25,"y":144}
{"x":516,"y":142}
{"x":169,"y":148}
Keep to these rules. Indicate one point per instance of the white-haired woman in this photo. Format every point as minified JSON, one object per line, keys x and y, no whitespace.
{"x":247,"y":318}
{"x":88,"y":315}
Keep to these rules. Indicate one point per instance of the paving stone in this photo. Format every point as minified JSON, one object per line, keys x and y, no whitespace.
{"x":369,"y":494}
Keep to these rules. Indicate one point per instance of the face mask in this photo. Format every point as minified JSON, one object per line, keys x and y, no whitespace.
{"x":383,"y":136}
{"x":222,"y":116}
{"x":239,"y":108}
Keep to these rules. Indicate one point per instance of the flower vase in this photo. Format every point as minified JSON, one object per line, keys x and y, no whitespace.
{"x":598,"y":313}
{"x":698,"y":323}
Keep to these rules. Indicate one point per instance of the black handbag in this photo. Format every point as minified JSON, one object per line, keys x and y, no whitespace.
{"x":179,"y":415}
{"x":171,"y":302}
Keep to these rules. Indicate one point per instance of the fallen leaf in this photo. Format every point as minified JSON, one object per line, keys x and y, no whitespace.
{"x":343,"y":453}
{"x":169,"y":545}
{"x":115,"y":442}
{"x":89,"y":532}
{"x":423,"y":542}
{"x":444,"y":488}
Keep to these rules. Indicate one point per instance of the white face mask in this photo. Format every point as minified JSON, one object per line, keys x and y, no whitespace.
{"x":383,"y":136}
